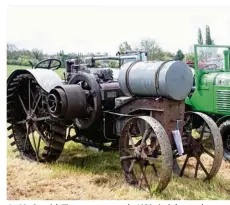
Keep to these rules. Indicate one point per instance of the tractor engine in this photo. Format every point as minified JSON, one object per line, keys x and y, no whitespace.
{"x":83,"y":98}
{"x":87,"y":94}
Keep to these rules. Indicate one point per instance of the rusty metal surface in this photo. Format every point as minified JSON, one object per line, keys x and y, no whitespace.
{"x":195,"y":148}
{"x":159,"y":132}
{"x":166,"y":111}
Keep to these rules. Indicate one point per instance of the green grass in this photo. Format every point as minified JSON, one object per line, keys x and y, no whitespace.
{"x":80,"y":173}
{"x":11,"y":68}
{"x":95,"y":171}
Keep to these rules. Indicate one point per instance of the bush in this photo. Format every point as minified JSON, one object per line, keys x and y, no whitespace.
{"x":25,"y":62}
{"x":13,"y":62}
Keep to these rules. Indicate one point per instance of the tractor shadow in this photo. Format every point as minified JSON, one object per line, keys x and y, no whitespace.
{"x":77,"y":157}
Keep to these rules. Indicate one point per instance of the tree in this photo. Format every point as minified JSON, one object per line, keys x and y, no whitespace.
{"x":153,"y":50}
{"x":124,"y":47}
{"x":113,"y":64}
{"x":12,"y":52}
{"x":190,"y":57}
{"x":62,"y":57}
{"x":179,"y":55}
{"x":209,"y":40}
{"x":37,"y":54}
{"x":200,"y":38}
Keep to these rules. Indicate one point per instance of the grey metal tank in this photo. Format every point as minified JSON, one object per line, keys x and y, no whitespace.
{"x":171,"y":79}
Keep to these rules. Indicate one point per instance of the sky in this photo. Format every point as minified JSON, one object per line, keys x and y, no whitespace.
{"x":102,"y":29}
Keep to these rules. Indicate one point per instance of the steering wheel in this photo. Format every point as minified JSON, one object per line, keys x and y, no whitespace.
{"x":51,"y":63}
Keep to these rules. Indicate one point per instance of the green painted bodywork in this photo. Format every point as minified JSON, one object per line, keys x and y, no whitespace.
{"x":212,"y":87}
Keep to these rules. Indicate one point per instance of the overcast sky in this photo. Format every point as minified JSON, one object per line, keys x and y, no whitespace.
{"x":102,"y":29}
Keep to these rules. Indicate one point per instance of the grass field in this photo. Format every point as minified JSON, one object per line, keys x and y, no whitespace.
{"x":80,"y":173}
{"x":11,"y":68}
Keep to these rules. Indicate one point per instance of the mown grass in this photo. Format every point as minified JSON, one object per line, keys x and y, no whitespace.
{"x":86,"y":174}
{"x":80,"y":173}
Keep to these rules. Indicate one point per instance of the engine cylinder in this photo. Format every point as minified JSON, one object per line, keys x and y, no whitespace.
{"x":171,"y":79}
{"x":67,"y":102}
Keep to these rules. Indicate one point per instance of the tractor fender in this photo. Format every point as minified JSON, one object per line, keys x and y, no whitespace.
{"x":222,"y":119}
{"x":47,"y":79}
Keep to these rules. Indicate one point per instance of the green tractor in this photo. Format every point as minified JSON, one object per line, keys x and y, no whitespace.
{"x":211,"y":91}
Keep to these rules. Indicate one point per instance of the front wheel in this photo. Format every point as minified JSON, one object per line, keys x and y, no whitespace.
{"x":225,"y":133}
{"x":146,"y":157}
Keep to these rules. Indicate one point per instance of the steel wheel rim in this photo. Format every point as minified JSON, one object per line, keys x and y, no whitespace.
{"x":162,"y":174}
{"x":198,"y":148}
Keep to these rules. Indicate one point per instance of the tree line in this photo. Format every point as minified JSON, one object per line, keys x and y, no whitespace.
{"x":17,"y":56}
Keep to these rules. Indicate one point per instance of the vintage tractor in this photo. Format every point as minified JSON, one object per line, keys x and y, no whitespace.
{"x":141,"y":114}
{"x":211,"y":92}
{"x":131,"y":56}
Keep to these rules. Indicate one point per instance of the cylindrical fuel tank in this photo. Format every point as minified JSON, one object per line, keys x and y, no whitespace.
{"x":171,"y":79}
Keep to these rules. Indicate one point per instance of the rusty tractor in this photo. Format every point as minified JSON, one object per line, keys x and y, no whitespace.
{"x":141,"y":113}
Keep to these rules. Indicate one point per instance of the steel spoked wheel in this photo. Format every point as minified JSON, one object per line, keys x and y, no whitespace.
{"x":146,"y":159}
{"x":227,"y":144}
{"x":203,"y":151}
{"x":36,"y":136}
{"x":225,"y":132}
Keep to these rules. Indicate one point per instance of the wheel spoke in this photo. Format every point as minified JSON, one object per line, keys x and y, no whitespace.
{"x":23,"y":106}
{"x":127,"y":158}
{"x":184,"y":165}
{"x":29,"y":95}
{"x":27,"y":135}
{"x":202,"y":131}
{"x":21,"y":122}
{"x":41,"y":119}
{"x":196,"y":169}
{"x":36,"y":103}
{"x":139,"y":127}
{"x":140,"y":180}
{"x":39,"y":143}
{"x":35,"y":147}
{"x":32,"y":95}
{"x":132,"y":164}
{"x":145,"y":178}
{"x":155,"y":170}
{"x":127,"y":151}
{"x":202,"y":166}
{"x":147,"y":132}
{"x":40,"y":134}
{"x":209,"y":153}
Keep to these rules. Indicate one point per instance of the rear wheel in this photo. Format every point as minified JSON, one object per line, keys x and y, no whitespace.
{"x":225,"y":133}
{"x":36,"y":136}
